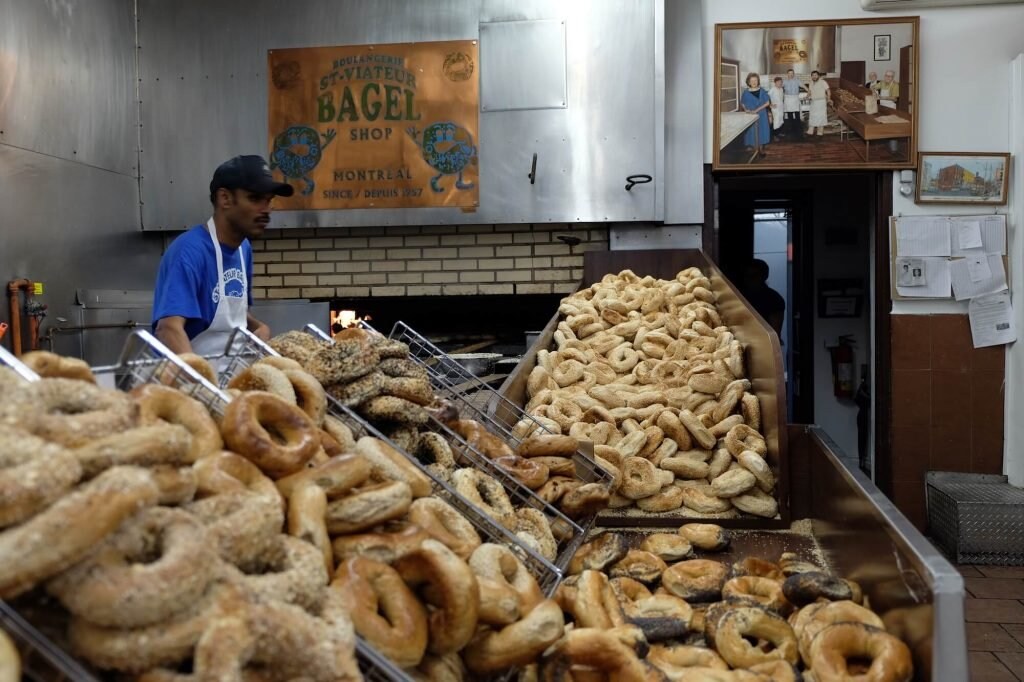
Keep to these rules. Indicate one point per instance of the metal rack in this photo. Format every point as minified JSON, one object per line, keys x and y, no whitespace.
{"x":145,"y":360}
{"x":41,"y":660}
{"x":568,"y":534}
{"x":8,"y":359}
{"x":547,"y":574}
{"x":495,"y":411}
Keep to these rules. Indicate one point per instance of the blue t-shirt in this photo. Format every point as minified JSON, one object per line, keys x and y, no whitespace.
{"x":186,"y":284}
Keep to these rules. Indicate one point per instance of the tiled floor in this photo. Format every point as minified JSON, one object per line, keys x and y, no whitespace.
{"x":995,"y":622}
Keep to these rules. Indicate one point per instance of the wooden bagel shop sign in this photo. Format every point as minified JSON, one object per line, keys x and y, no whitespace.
{"x":376,"y":126}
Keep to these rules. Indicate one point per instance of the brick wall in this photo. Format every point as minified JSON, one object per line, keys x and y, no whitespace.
{"x":444,"y":260}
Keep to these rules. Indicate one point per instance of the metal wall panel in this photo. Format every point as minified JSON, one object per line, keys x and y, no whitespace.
{"x":69,"y":225}
{"x":522,"y":65}
{"x":684,"y":113}
{"x":203,"y":91}
{"x":67,"y":80}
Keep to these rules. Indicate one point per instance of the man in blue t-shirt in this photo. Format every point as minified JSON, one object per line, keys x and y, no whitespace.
{"x":202,"y":289}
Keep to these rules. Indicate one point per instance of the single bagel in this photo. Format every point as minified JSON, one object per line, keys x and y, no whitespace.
{"x":337,"y":476}
{"x":766,"y":592}
{"x":891,"y":660}
{"x":256,"y":423}
{"x":547,"y":445}
{"x":739,"y":623}
{"x":484,"y":492}
{"x":388,"y":408}
{"x":667,"y":499}
{"x":225,"y":472}
{"x":599,"y":553}
{"x":742,"y":437}
{"x":446,"y":525}
{"x":695,"y":580}
{"x":307,"y":511}
{"x":263,"y":377}
{"x":661,"y":616}
{"x":530,"y":473}
{"x":71,"y":412}
{"x":585,"y":500}
{"x":639,"y":565}
{"x":454,"y":620}
{"x":366,"y":507}
{"x":288,"y":570}
{"x":357,"y":391}
{"x":384,"y":611}
{"x":161,"y":403}
{"x":310,"y":396}
{"x":151,"y":445}
{"x":52,"y":366}
{"x":516,"y":644}
{"x":500,"y":564}
{"x":805,"y":588}
{"x":385,"y":544}
{"x":123,"y":585}
{"x":698,"y":431}
{"x":700,"y":499}
{"x":757,"y":502}
{"x":732,"y":483}
{"x":534,"y":530}
{"x":342,"y":362}
{"x":756,"y":465}
{"x":639,"y":478}
{"x":392,"y":465}
{"x":667,"y":546}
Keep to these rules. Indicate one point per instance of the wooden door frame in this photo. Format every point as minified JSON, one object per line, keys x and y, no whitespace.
{"x":881,"y":382}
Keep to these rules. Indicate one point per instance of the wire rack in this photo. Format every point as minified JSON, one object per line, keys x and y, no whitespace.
{"x":499,"y":414}
{"x":8,"y":359}
{"x":568,"y":534}
{"x":145,"y":360}
{"x":547,"y":573}
{"x":41,"y":659}
{"x":243,"y":349}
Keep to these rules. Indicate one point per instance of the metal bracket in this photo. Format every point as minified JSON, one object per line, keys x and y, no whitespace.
{"x":533,"y":170}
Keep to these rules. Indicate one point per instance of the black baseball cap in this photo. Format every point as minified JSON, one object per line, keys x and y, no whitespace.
{"x":251,"y":173}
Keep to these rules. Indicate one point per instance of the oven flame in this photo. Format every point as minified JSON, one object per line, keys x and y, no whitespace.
{"x":343,"y":319}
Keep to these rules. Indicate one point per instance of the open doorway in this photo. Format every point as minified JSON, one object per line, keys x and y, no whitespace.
{"x":814,"y":232}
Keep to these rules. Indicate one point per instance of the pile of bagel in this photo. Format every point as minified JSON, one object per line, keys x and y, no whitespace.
{"x":275,"y":512}
{"x":369,"y":373}
{"x":654,"y":612}
{"x":646,"y":370}
{"x":164,"y":547}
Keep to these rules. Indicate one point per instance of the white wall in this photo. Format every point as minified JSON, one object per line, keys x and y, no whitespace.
{"x":964,"y":75}
{"x":1013,"y":459}
{"x":857,"y":43}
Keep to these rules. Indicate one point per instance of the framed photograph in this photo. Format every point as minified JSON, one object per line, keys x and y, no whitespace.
{"x":796,"y":94}
{"x":883,"y":44}
{"x":963,"y":178}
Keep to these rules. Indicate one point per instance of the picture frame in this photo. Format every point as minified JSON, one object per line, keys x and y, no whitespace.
{"x":883,"y":48}
{"x":763,"y":130}
{"x":963,"y":178}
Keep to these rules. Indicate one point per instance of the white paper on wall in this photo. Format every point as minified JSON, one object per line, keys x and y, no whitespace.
{"x":991,"y":318}
{"x":993,"y":234}
{"x":922,"y":236}
{"x":966,"y":286}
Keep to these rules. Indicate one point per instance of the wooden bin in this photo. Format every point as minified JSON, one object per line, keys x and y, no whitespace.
{"x":763,"y":360}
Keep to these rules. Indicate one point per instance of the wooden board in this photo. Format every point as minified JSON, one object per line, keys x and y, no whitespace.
{"x":763,"y":358}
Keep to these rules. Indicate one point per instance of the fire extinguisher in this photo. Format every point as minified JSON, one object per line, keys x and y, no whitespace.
{"x":842,"y":367}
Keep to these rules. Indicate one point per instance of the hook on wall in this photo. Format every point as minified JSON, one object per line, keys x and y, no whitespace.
{"x":639,"y":179}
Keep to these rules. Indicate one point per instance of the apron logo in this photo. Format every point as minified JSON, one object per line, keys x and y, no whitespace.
{"x":234,"y":285}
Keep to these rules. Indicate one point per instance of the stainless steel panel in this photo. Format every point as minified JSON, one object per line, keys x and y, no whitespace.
{"x":753,"y":47}
{"x":522,"y":65}
{"x":626,"y":237}
{"x":67,"y":80}
{"x":70,"y":225}
{"x":283,"y":316}
{"x":866,"y":538}
{"x":684,"y":113}
{"x":212,"y":88}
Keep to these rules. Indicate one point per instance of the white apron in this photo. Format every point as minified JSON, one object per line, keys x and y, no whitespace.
{"x":883,"y":95}
{"x":791,"y":103}
{"x":778,"y":107}
{"x":231,"y":313}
